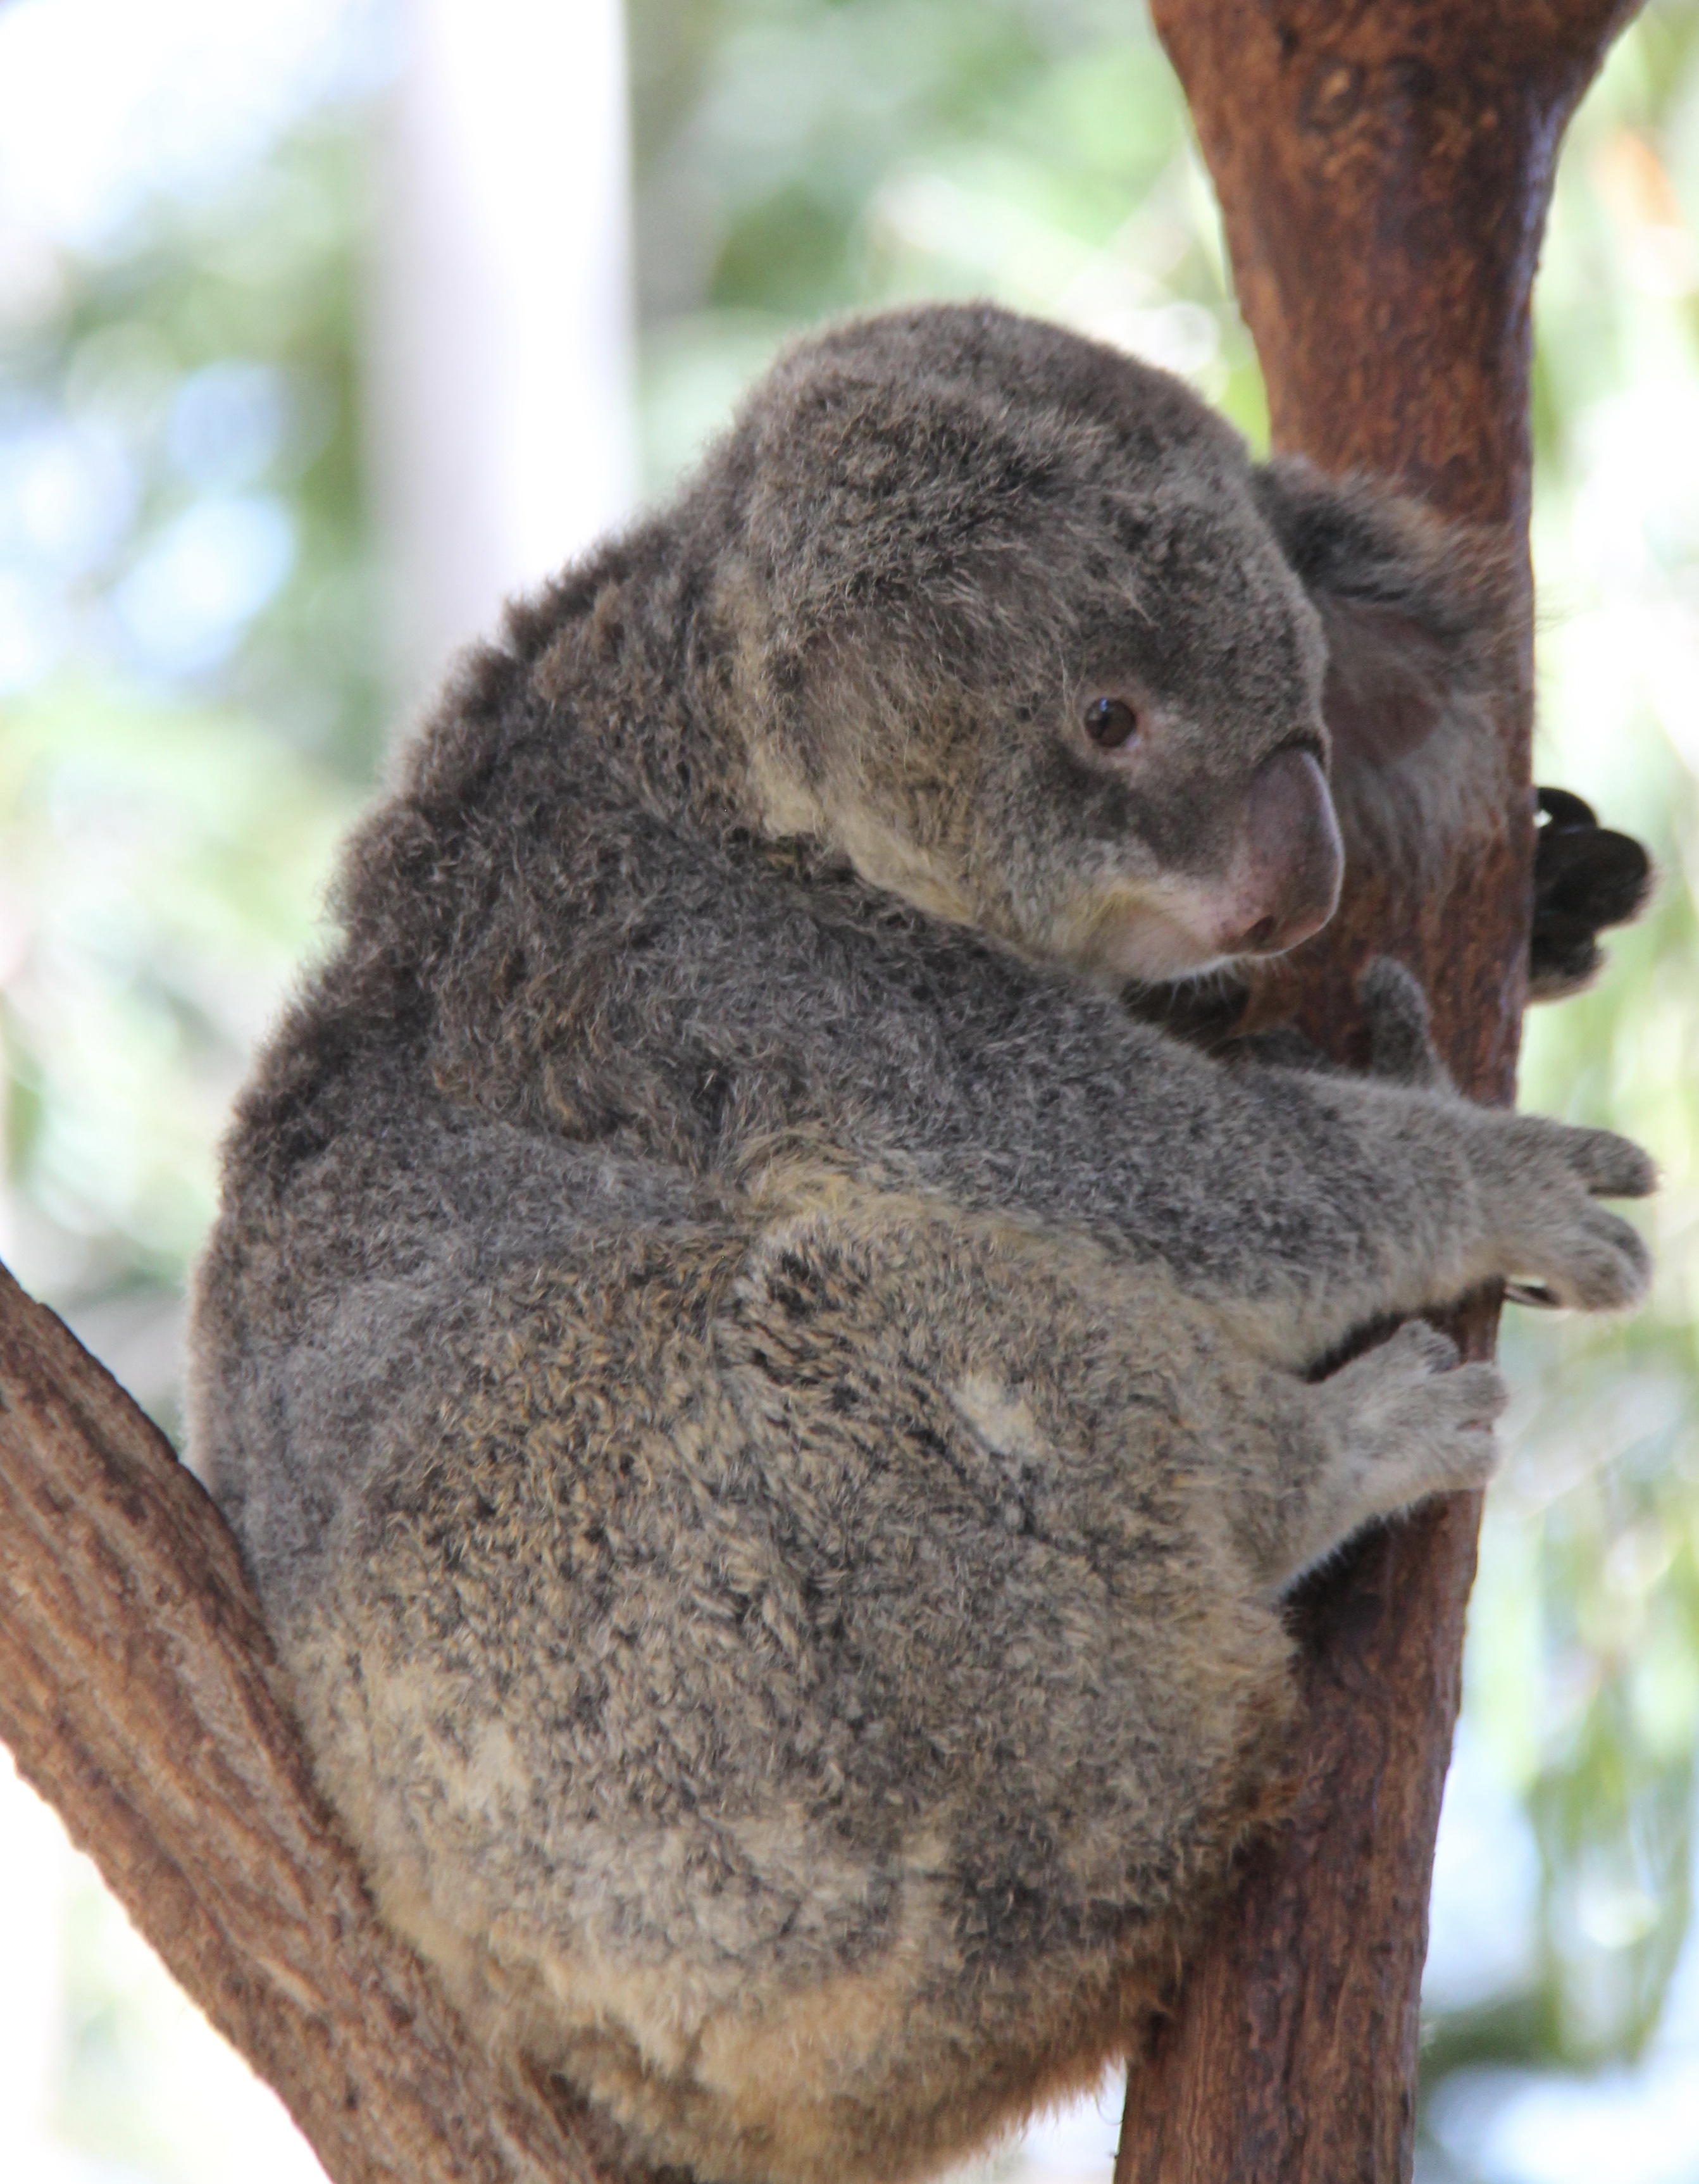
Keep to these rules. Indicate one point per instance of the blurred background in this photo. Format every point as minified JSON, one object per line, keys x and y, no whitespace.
{"x":323,"y":324}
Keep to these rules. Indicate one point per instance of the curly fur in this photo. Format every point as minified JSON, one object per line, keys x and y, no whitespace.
{"x":770,"y":1415}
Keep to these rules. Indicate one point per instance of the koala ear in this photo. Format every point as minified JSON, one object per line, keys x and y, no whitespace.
{"x":1423,"y":622}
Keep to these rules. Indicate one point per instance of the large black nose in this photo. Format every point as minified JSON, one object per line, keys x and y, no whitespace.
{"x":1291,"y":864}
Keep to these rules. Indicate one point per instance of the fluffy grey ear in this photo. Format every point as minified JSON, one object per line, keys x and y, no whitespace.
{"x":1422,"y":621}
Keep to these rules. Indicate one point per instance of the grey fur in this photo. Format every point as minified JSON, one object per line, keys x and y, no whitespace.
{"x":768,"y":1413}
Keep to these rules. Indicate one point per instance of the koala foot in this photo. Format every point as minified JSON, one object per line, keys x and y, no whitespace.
{"x":1557,"y":1245}
{"x":1403,"y":1421}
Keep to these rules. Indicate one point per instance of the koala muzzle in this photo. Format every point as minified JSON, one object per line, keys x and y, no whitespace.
{"x":1284,"y":879}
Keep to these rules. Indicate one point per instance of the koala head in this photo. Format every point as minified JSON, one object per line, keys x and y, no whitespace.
{"x":1017,"y":630}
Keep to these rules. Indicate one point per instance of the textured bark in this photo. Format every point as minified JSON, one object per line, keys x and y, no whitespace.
{"x":141,"y":1695}
{"x":1384,"y":173}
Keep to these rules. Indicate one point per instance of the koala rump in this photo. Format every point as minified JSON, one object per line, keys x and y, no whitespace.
{"x":772,"y":1414}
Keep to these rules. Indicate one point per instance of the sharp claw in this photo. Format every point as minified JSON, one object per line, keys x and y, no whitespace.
{"x":1563,"y":808}
{"x":1535,"y":1294}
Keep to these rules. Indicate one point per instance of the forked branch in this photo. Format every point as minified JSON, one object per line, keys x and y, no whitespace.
{"x":140,"y":1694}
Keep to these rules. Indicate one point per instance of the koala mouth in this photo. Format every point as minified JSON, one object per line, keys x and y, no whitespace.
{"x":1281,"y":885}
{"x":1145,"y":938}
{"x":1142,"y":934}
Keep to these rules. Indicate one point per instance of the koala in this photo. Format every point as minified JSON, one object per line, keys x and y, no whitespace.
{"x":773,"y":1417}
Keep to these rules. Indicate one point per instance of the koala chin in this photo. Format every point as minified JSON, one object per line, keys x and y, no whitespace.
{"x":770,"y":1412}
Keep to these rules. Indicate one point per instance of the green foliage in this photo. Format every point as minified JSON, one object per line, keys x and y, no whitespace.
{"x":802,"y":157}
{"x":192,"y":561}
{"x":165,"y":862}
{"x":212,"y":352}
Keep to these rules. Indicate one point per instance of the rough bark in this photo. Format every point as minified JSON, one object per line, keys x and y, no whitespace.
{"x":1384,"y":173}
{"x":141,"y":1695}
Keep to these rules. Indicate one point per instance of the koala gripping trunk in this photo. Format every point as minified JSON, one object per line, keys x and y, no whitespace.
{"x":1384,"y":176}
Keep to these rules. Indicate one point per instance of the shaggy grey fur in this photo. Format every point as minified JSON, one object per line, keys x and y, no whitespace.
{"x":769,"y":1413}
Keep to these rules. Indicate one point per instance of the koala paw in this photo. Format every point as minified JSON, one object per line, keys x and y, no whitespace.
{"x":1403,"y":1421}
{"x":1585,"y":878}
{"x":1557,"y":1247}
{"x":1401,"y":1043}
{"x":1414,"y":1421}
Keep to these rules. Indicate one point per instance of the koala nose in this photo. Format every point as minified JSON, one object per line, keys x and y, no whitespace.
{"x":1289,"y":864}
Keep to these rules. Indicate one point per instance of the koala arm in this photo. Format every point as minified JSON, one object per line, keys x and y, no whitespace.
{"x":1529,"y":1183}
{"x":1304,"y":1204}
{"x":1484,"y":1195}
{"x":877,"y":1042}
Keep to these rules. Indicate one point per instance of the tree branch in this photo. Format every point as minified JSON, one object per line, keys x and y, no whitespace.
{"x":141,"y":1695}
{"x":1384,"y":174}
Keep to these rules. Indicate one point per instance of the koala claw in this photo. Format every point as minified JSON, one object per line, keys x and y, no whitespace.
{"x":1599,"y":1264}
{"x":1560,"y":1247}
{"x":1611,"y":1167}
{"x":1585,"y":878}
{"x":1423,"y":1420}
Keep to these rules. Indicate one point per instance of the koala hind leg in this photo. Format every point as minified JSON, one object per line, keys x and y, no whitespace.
{"x":1403,"y":1421}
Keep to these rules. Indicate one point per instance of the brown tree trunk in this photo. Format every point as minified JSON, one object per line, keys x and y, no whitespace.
{"x":141,"y":1695}
{"x":1384,"y":173}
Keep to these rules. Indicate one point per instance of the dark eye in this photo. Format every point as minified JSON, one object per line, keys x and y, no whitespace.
{"x":1110,"y":722}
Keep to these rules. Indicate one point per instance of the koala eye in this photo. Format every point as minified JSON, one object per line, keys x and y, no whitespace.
{"x":1110,"y":722}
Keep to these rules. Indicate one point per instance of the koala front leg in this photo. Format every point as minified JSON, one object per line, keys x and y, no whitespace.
{"x":1601,"y":1260}
{"x":1464,"y":1194}
{"x":1541,"y":1177}
{"x":1401,"y":1422}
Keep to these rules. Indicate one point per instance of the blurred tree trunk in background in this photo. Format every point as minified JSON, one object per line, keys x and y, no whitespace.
{"x":501,"y":410}
{"x":1384,"y":176}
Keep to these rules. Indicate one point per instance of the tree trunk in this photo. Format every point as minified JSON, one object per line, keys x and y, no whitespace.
{"x":1384,"y":174}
